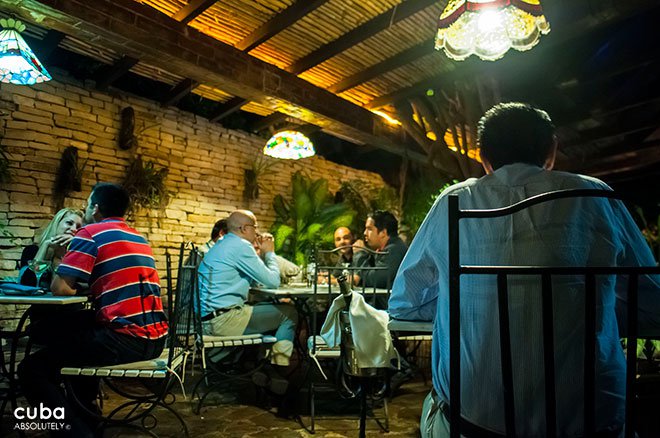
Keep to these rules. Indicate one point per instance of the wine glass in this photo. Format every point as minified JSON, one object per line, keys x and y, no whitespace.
{"x":39,"y":267}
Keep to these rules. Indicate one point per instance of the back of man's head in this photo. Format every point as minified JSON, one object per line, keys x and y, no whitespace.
{"x":384,"y":220}
{"x":219,"y":229}
{"x":112,"y":199}
{"x":515,"y":133}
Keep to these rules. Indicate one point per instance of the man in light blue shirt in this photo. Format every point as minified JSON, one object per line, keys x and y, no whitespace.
{"x":518,"y":149}
{"x":225,"y":275}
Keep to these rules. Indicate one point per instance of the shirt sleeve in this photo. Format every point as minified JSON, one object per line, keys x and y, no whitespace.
{"x":79,"y":260}
{"x":415,"y":289}
{"x":265,"y":272}
{"x":636,"y":252}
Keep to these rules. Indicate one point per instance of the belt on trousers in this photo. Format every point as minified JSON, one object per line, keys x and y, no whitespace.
{"x":215,"y":313}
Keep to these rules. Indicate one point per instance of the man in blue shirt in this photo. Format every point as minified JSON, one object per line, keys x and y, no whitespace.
{"x":518,"y":149}
{"x":225,"y":275}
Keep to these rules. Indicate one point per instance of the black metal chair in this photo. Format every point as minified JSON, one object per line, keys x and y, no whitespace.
{"x":456,"y":270}
{"x":216,"y":376}
{"x":155,"y":378}
{"x":325,"y":357}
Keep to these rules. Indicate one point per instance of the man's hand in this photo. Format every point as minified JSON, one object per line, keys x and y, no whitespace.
{"x":358,"y":245}
{"x":267,"y":243}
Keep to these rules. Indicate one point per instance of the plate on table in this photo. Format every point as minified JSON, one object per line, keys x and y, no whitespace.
{"x":298,"y":285}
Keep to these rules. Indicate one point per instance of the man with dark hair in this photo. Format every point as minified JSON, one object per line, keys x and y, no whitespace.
{"x":518,"y":148}
{"x":127,"y":324}
{"x":380,"y":235}
{"x":218,"y":231}
{"x":111,"y":200}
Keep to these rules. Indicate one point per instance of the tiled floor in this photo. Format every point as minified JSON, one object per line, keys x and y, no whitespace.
{"x":238,"y":414}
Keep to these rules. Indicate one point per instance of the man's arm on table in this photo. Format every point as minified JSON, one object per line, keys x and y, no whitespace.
{"x":63,"y":285}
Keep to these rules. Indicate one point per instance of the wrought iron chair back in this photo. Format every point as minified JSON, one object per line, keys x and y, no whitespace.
{"x":327,"y":267}
{"x":215,"y":376}
{"x":456,"y":270}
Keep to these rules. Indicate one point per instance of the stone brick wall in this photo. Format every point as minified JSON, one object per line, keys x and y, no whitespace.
{"x":206,"y":164}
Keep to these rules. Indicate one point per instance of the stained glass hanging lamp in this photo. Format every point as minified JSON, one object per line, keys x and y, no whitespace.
{"x":18,"y":63}
{"x":489,"y":28}
{"x":289,"y":145}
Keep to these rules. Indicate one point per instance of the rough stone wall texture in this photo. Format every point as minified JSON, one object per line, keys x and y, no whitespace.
{"x":206,"y":164}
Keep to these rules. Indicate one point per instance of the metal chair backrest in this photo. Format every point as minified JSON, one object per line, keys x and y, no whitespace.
{"x":456,"y":270}
{"x":326,"y":267}
{"x":181,"y":303}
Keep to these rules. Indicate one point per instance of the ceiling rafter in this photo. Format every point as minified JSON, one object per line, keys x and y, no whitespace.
{"x":227,"y":108}
{"x":396,"y":61}
{"x":278,"y":23}
{"x":45,"y":47}
{"x":287,"y":17}
{"x":179,"y":91}
{"x":269,"y":120}
{"x":192,"y":10}
{"x":646,"y":155}
{"x":359,"y":34}
{"x":115,"y":71}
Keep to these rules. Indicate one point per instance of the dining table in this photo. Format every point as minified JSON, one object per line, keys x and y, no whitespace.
{"x":13,"y":299}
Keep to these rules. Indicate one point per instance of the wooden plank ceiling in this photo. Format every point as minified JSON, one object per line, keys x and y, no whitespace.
{"x":328,"y":62}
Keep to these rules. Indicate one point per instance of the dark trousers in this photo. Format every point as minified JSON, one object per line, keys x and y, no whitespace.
{"x":74,"y":340}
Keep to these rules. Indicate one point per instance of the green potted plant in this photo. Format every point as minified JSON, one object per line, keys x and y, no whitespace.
{"x":308,"y":219}
{"x":145,"y":183}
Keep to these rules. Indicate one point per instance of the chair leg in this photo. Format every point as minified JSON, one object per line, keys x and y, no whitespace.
{"x":311,"y":408}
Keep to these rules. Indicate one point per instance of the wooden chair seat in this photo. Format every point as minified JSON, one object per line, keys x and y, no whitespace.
{"x":153,"y":368}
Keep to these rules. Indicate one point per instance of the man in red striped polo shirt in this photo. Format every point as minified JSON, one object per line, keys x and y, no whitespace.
{"x":127,"y":323}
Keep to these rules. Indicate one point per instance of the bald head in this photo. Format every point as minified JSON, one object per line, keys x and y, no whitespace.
{"x":343,"y":237}
{"x":243,"y":223}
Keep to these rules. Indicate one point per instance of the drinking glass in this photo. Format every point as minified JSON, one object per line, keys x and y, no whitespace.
{"x":39,"y":267}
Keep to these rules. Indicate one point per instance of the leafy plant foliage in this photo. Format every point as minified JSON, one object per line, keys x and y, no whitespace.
{"x":308,"y":219}
{"x":145,"y":183}
{"x":356,"y":193}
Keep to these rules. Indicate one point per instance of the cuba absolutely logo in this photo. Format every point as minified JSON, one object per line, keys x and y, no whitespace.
{"x":40,"y":418}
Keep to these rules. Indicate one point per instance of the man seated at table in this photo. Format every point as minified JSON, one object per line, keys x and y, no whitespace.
{"x":343,"y":238}
{"x":225,"y":276}
{"x":380,"y":235}
{"x":518,"y":149}
{"x":127,"y":324}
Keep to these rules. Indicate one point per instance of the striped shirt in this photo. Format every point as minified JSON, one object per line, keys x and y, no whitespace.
{"x":117,"y":263}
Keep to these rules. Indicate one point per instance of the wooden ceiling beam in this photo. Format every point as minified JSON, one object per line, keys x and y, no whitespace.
{"x":227,"y":108}
{"x":647,"y":155}
{"x":45,"y":47}
{"x":114,"y":72}
{"x":179,"y":91}
{"x":269,"y":120}
{"x":192,"y":10}
{"x":278,"y":23}
{"x":359,"y":34}
{"x":141,"y":32}
{"x":396,"y":61}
